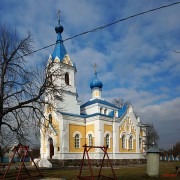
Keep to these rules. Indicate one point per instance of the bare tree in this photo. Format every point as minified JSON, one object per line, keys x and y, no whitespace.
{"x":119,"y":102}
{"x":152,"y":136}
{"x":176,"y":149}
{"x":23,"y":88}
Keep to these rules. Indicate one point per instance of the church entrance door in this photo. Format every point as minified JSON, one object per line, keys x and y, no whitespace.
{"x":51,"y":148}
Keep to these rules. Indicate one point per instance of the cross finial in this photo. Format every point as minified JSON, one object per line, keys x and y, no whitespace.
{"x":59,"y":17}
{"x":95,"y":68}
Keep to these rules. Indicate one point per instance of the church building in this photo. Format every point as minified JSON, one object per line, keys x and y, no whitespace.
{"x":95,"y":123}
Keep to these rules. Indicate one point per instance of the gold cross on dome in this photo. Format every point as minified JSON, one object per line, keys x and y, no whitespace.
{"x":59,"y":15}
{"x":95,"y":68}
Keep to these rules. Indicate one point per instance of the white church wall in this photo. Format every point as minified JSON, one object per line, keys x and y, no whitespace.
{"x":92,"y":109}
{"x":115,"y":137}
{"x":69,"y":104}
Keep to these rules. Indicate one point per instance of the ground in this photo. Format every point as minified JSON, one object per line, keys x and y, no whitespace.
{"x":134,"y":172}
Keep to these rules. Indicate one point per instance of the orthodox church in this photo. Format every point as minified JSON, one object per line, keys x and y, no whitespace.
{"x":95,"y":123}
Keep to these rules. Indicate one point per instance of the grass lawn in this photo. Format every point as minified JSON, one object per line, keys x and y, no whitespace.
{"x":134,"y":172}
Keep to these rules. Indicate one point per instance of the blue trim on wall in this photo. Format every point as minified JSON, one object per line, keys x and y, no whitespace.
{"x":84,"y":115}
{"x":121,"y":112}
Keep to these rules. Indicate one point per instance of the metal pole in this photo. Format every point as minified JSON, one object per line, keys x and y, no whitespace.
{"x":110,"y":165}
{"x":104,"y":149}
{"x":34,"y":163}
{"x":82,"y":161}
{"x":22,"y":161}
{"x":89,"y":162}
{"x":9,"y":165}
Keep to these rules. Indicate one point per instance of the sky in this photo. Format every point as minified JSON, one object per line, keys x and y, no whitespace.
{"x":136,"y":58}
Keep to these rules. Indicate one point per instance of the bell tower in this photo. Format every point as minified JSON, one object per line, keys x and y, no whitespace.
{"x":68,"y":71}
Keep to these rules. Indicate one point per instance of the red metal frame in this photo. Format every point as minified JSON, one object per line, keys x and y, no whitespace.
{"x":86,"y":150}
{"x":26,"y":153}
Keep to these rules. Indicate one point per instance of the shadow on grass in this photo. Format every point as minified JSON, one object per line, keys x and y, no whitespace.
{"x":135,"y":172}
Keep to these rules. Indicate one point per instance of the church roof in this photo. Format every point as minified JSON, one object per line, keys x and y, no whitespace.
{"x":59,"y":50}
{"x":100,"y":101}
{"x":121,"y":111}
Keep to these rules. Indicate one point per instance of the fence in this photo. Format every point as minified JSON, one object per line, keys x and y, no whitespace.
{"x":16,"y":159}
{"x":169,"y":158}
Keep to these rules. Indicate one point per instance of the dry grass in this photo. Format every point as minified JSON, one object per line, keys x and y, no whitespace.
{"x":134,"y":172}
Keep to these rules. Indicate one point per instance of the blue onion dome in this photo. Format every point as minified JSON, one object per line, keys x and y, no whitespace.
{"x":96,"y":83}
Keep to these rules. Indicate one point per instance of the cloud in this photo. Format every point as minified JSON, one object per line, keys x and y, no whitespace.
{"x":166,"y":119}
{"x":135,"y":57}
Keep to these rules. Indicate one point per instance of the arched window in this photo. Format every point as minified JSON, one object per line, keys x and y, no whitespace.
{"x":115,"y":113}
{"x":131,"y":142}
{"x":67,"y":78}
{"x":105,"y":111}
{"x":140,"y":142}
{"x":77,"y":141}
{"x":90,"y":140}
{"x":50,"y":118}
{"x":108,"y":140}
{"x":101,"y":110}
{"x":123,"y":142}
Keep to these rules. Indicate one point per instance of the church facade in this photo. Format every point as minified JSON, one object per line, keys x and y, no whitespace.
{"x":95,"y":123}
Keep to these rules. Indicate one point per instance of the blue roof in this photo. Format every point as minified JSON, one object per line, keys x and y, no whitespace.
{"x":111,"y":113}
{"x":59,"y":49}
{"x":122,"y":110}
{"x":100,"y":101}
{"x":96,"y":83}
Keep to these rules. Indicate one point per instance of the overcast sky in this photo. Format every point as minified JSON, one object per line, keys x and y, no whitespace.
{"x":135,"y":58}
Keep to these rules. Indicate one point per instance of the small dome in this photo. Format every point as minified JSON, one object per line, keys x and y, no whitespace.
{"x":96,"y":83}
{"x":59,"y":28}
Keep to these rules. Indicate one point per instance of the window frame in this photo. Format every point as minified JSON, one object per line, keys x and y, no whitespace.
{"x":105,"y":111}
{"x":140,"y":142}
{"x":123,"y":141}
{"x":90,"y":140}
{"x":77,"y":141}
{"x":67,"y":79}
{"x":101,"y":110}
{"x":131,"y":142}
{"x":50,"y":118}
{"x":107,"y":140}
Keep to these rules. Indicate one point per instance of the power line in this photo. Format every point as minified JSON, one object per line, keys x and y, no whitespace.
{"x":115,"y":22}
{"x":104,"y":26}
